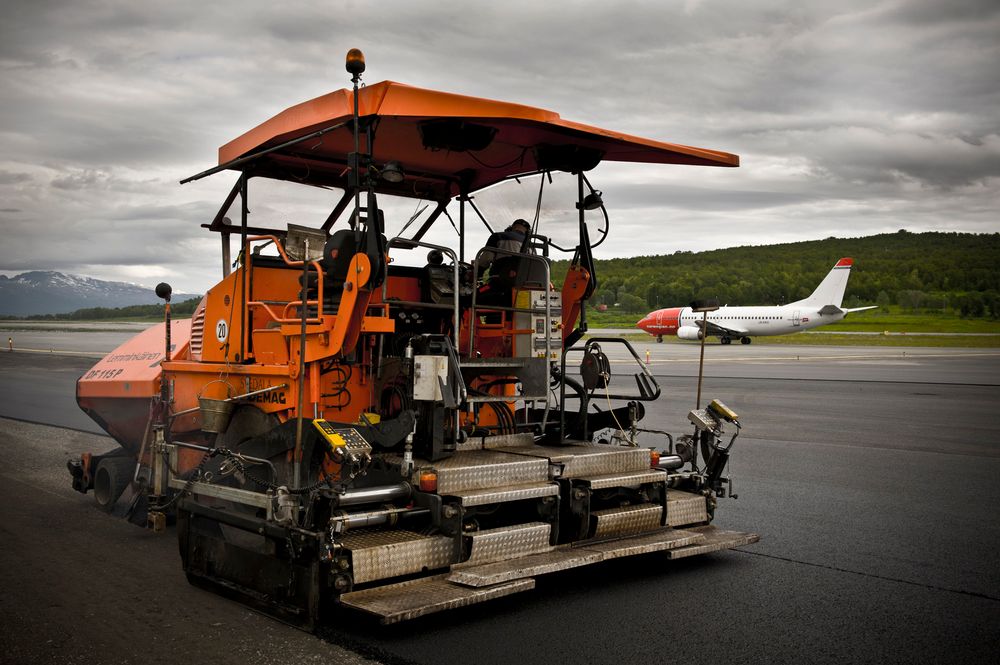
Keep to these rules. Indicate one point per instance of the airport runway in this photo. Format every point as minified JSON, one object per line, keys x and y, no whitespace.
{"x":871,"y":476}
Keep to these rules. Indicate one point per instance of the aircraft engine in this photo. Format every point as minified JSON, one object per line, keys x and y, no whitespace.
{"x":689,"y":332}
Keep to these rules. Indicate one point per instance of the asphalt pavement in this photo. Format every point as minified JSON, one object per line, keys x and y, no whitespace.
{"x":871,"y":476}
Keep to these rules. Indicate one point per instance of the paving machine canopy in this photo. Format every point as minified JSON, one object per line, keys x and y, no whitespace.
{"x":446,"y":144}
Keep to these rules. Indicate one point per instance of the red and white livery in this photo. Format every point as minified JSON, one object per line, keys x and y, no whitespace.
{"x":744,"y":323}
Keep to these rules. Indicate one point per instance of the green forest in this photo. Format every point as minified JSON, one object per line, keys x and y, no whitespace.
{"x":940,"y":272}
{"x":183,"y":309}
{"x":954,"y":273}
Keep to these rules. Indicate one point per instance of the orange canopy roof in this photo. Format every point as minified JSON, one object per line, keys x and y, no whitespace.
{"x":444,"y":142}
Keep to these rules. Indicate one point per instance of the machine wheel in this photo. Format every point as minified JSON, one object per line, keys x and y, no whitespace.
{"x":111,"y":478}
{"x":745,"y":340}
{"x":659,"y":339}
{"x":726,"y":340}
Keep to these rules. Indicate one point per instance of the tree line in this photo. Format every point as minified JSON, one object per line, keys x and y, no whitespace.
{"x":182,"y":309}
{"x":954,"y":272}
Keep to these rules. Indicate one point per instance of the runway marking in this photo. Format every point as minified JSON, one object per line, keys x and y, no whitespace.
{"x":716,"y":377}
{"x":797,"y":358}
{"x":932,"y":587}
{"x":61,"y":352}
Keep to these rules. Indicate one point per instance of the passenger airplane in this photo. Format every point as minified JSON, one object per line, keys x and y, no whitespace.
{"x":729,"y":323}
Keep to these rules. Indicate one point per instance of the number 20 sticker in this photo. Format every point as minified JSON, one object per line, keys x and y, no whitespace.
{"x":221,"y":330}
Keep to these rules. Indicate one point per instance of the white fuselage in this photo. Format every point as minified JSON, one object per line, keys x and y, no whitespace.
{"x":763,"y":321}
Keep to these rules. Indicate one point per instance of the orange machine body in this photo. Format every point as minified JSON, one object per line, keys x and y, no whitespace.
{"x":117,"y":391}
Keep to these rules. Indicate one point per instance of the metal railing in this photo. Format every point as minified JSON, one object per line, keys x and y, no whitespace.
{"x":304,"y":306}
{"x":407,"y":243}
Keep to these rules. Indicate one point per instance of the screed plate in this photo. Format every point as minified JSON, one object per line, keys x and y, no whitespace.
{"x":715,"y":540}
{"x":414,"y":598}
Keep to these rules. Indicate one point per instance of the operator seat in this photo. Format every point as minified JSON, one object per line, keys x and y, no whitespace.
{"x":338,"y":251}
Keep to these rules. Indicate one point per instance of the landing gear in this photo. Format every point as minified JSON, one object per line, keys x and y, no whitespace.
{"x":659,"y":339}
{"x":726,"y":340}
{"x":745,"y":340}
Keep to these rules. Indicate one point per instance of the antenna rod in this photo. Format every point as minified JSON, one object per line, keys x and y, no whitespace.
{"x":702,"y":307}
{"x":163,"y":291}
{"x":355,"y":66}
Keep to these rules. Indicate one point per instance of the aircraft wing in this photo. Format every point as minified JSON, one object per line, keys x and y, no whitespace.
{"x":826,"y":310}
{"x":719,"y":331}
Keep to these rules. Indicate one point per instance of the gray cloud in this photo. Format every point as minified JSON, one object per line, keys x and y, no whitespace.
{"x":9,"y":178}
{"x":850,"y":118}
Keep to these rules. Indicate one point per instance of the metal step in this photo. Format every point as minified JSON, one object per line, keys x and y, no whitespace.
{"x":497,"y":441}
{"x":504,"y":494}
{"x":579,"y":461}
{"x":515,"y":569}
{"x":566,"y":557}
{"x":626,"y":521}
{"x":505,"y":543}
{"x":632,"y":479}
{"x":414,"y":598}
{"x":684,"y":508}
{"x":486,"y":469}
{"x":715,"y":539}
{"x":379,"y":554}
{"x":667,"y":539}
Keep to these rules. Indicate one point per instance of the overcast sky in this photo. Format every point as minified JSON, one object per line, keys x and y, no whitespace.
{"x":850,"y":117}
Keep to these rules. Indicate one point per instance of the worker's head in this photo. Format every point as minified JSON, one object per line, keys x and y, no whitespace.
{"x":521,"y":226}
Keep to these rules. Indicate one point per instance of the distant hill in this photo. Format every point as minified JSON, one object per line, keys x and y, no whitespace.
{"x":48,"y":292}
{"x":954,"y":271}
{"x":958,"y":271}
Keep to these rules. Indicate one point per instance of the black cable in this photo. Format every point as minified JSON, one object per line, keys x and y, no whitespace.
{"x":195,"y":474}
{"x":520,"y":158}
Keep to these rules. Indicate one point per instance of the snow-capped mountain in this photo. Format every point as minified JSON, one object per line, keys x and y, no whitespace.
{"x":48,"y":292}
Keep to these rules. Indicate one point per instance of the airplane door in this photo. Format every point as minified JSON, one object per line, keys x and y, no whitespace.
{"x":796,"y":317}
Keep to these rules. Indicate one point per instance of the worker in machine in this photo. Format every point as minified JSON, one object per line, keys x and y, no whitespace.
{"x":496,"y":271}
{"x":511,"y":239}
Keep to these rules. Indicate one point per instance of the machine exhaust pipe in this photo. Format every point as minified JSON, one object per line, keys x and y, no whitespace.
{"x":669,"y":462}
{"x":389,"y":516}
{"x":379,"y":494}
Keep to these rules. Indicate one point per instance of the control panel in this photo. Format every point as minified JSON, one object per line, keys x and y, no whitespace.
{"x":346,"y":443}
{"x":533,"y":344}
